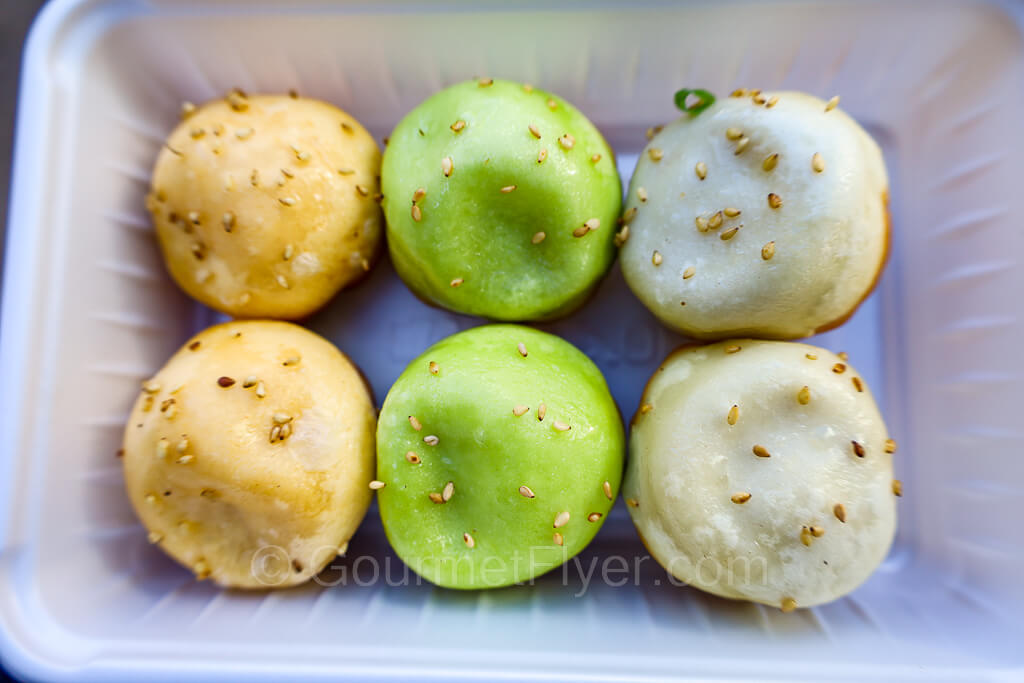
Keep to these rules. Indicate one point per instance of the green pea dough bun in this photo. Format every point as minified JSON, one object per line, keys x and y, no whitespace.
{"x":500,"y":452}
{"x":501,"y":201}
{"x":762,"y":471}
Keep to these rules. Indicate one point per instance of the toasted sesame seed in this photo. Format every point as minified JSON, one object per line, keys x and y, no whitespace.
{"x":770,"y":162}
{"x":431,"y":440}
{"x":806,"y":537}
{"x":733,"y":133}
{"x":788,"y":604}
{"x":185,"y":459}
{"x":701,"y":169}
{"x":730,"y":233}
{"x":715,"y":222}
{"x":415,"y":423}
{"x":768,"y":250}
{"x":538,"y":237}
{"x":194,"y":346}
{"x":858,"y":384}
{"x":362,"y":191}
{"x":733,"y":415}
{"x":225,"y":382}
{"x":448,"y":491}
{"x":632,"y":502}
{"x":560,"y":426}
{"x":832,"y":103}
{"x":817,"y":163}
{"x":287,"y":201}
{"x":761,"y":452}
{"x":154,"y":537}
{"x":417,"y":213}
{"x":521,"y":347}
{"x":261,"y":390}
{"x":197,"y":133}
{"x":412,"y":457}
{"x":594,"y":158}
{"x":628,"y":215}
{"x":592,"y":223}
{"x":735,"y":348}
{"x":557,"y":538}
{"x":646,"y":408}
{"x":534,"y":130}
{"x":346,"y":171}
{"x":275,"y":434}
{"x":485,"y":82}
{"x":803,"y":397}
{"x":561,"y":519}
{"x":435,"y":498}
{"x":758,"y":99}
{"x":542,"y":410}
{"x":346,"y":127}
{"x":526,"y":492}
{"x":377,"y":485}
{"x":458,"y":126}
{"x":607,"y":488}
{"x":281,"y":418}
{"x":731,"y":212}
{"x":622,"y":236}
{"x":839,"y":368}
{"x":419,"y":194}
{"x":741,"y":145}
{"x":740,"y":498}
{"x":594,"y":516}
{"x":447,"y":166}
{"x":289,"y":251}
{"x":250,"y":381}
{"x":456,"y":282}
{"x":166,"y":404}
{"x":890,"y":446}
{"x":897,"y":487}
{"x":580,"y":231}
{"x":520,"y":410}
{"x":552,"y":104}
{"x":641,"y":194}
{"x":508,"y":188}
{"x":433,"y":367}
{"x":810,"y":356}
{"x":655,"y":154}
{"x":469,"y":540}
{"x":858,"y":449}
{"x":817,"y":531}
{"x":193,"y":217}
{"x":567,"y":141}
{"x":702,"y":223}
{"x":656,"y":258}
{"x":839,"y":510}
{"x":774,"y":200}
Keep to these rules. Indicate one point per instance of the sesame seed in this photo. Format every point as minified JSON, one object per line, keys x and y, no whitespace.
{"x":594,"y":158}
{"x":733,"y":133}
{"x":150,"y":499}
{"x":741,"y":145}
{"x":702,"y":223}
{"x":485,"y":82}
{"x":288,"y":252}
{"x":362,"y":191}
{"x":162,"y":447}
{"x":772,"y":101}
{"x":839,"y":510}
{"x":767,"y":251}
{"x":228,"y":220}
{"x":458,"y":126}
{"x":151,"y":386}
{"x":508,"y":188}
{"x":897,"y":487}
{"x":607,"y":487}
{"x":538,"y":237}
{"x":417,"y":213}
{"x":731,"y":212}
{"x":287,"y":201}
{"x":817,"y":163}
{"x":701,"y":169}
{"x":275,"y":434}
{"x":431,"y":440}
{"x":656,"y":258}
{"x":858,"y":384}
{"x":567,"y":141}
{"x":557,"y":538}
{"x":154,"y":537}
{"x":435,"y":498}
{"x":774,"y":200}
{"x":193,"y":217}
{"x":641,"y":194}
{"x":225,"y":382}
{"x":419,"y":194}
{"x":527,"y":88}
{"x":185,"y":459}
{"x":415,"y":423}
{"x":447,"y":166}
{"x":592,"y":223}
{"x":281,"y":418}
{"x":594,"y":516}
{"x":201,"y":568}
{"x":261,"y":390}
{"x":187,"y":109}
{"x":469,"y":540}
{"x":628,"y":215}
{"x":346,"y":171}
{"x":534,"y":130}
{"x":788,"y":604}
{"x":346,"y":127}
{"x":621,"y":236}
{"x":448,"y":491}
{"x":832,"y":103}
{"x":580,"y":231}
{"x":456,"y":282}
{"x":810,"y":356}
{"x":770,"y":162}
{"x":806,"y":537}
{"x":542,"y":410}
{"x":552,"y":105}
{"x":735,"y":348}
{"x":244,"y":133}
{"x":655,"y":154}
{"x":730,"y":233}
{"x":377,"y":485}
{"x":433,"y":367}
{"x":839,"y":368}
{"x":733,"y":415}
{"x":758,"y":99}
{"x":632,"y":502}
{"x":166,"y":404}
{"x":197,"y":133}
{"x":803,"y":397}
{"x":740,"y":498}
{"x":412,"y":457}
{"x":250,"y":381}
{"x":817,"y":531}
{"x":858,"y":449}
{"x":561,"y":519}
{"x":283,"y":281}
{"x":560,"y":426}
{"x":646,"y":408}
{"x":526,"y":492}
{"x":519,"y":411}
{"x":254,"y":178}
{"x":761,"y":452}
{"x":890,"y":446}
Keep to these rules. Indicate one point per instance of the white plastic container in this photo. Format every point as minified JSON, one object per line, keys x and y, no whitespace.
{"x":88,"y":312}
